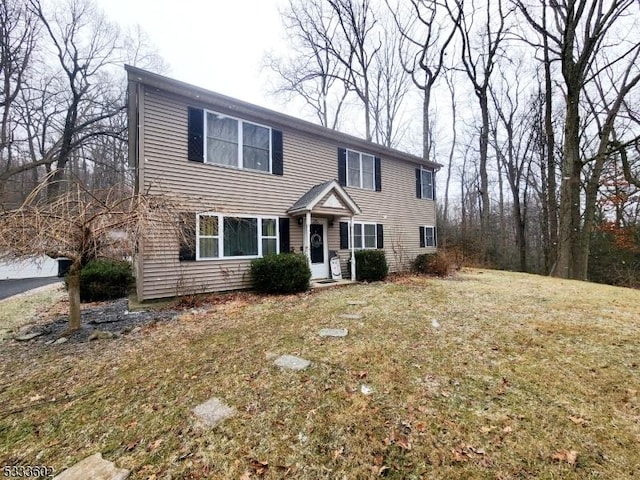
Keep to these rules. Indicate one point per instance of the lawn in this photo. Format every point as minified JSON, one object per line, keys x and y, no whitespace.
{"x":525,"y":377}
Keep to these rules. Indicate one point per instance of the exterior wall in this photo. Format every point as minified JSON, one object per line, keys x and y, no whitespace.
{"x":164,"y":168}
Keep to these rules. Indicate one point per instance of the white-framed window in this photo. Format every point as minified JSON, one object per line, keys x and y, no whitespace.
{"x":426,"y":183}
{"x":365,"y":235}
{"x":235,"y":236}
{"x":428,"y":233}
{"x":237,"y":143}
{"x":361,"y":170}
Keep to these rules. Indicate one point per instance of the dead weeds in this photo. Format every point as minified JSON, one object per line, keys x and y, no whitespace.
{"x":526,"y":377}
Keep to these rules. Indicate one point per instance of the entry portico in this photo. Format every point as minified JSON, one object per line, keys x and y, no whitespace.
{"x":316,"y":211}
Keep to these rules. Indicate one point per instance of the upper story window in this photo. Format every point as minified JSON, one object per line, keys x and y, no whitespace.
{"x":425,"y":187}
{"x":237,"y":143}
{"x":223,"y":140}
{"x":360,"y":170}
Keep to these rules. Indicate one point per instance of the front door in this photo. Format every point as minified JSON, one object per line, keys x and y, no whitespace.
{"x":318,"y":249}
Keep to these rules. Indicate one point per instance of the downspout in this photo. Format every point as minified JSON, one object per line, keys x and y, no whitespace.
{"x":353,"y":250}
{"x":307,"y":236}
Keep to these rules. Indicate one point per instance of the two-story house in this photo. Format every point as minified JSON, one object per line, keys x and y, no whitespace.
{"x":252,"y":181}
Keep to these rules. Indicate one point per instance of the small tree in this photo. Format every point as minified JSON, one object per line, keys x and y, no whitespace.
{"x":80,"y":225}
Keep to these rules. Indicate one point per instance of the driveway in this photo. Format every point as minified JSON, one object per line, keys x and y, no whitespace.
{"x":8,"y":288}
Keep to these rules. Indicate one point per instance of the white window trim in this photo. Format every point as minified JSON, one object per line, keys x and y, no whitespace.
{"x":422,"y":183}
{"x":375,"y":225}
{"x":361,"y":170}
{"x":435,"y":239}
{"x":240,"y":121}
{"x":220,"y":235}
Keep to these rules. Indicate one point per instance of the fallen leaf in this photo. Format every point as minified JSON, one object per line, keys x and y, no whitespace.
{"x":487,"y":429}
{"x":246,"y":475}
{"x":568,"y":456}
{"x":338,"y":453}
{"x":507,"y":429}
{"x":577,"y":420}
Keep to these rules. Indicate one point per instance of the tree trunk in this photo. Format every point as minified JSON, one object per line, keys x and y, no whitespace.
{"x":568,"y":262}
{"x":73,"y":282}
{"x":485,"y":228}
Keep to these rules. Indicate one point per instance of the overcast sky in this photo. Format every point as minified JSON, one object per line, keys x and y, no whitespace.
{"x":214,"y":44}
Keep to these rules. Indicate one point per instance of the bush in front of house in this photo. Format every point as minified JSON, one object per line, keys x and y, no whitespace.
{"x":371,"y":265}
{"x":432,"y":264}
{"x":281,"y":273}
{"x":105,"y":280}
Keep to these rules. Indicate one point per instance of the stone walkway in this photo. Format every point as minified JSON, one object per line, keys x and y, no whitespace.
{"x":210,"y":413}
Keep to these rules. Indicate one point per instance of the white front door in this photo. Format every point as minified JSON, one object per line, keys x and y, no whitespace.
{"x":318,"y":248}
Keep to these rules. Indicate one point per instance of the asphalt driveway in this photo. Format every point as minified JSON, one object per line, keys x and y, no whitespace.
{"x":8,"y":288}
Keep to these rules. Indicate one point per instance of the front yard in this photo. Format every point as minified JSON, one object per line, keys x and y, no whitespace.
{"x":488,"y":375}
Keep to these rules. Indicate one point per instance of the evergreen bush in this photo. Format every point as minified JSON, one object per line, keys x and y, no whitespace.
{"x":105,"y":280}
{"x":371,"y":265}
{"x":281,"y":273}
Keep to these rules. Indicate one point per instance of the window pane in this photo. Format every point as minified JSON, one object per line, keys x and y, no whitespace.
{"x":222,"y":153}
{"x":222,"y":140}
{"x":430,"y":240}
{"x":357,"y":235}
{"x":208,"y":226}
{"x":269,"y":246}
{"x":255,"y":158}
{"x":368,"y":172}
{"x":369,"y":236}
{"x":240,"y":236}
{"x":208,"y":247}
{"x":427,"y":184}
{"x":268,"y":227}
{"x":353,"y":169}
{"x":255,"y":136}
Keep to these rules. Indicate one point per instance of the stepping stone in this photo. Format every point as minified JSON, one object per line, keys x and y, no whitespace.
{"x":351,"y":316}
{"x":356,"y":302}
{"x":213,"y":411}
{"x":28,"y":336}
{"x":334,"y":332}
{"x":94,"y":467}
{"x":290,"y":362}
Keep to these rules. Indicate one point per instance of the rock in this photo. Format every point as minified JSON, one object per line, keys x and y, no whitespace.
{"x":290,"y":362}
{"x":136,"y":330}
{"x":435,"y":324}
{"x":28,"y":336}
{"x":213,"y":411}
{"x":334,"y":332}
{"x":101,"y":335}
{"x":351,"y":316}
{"x":61,"y":340}
{"x":366,"y":389}
{"x":95,"y":468}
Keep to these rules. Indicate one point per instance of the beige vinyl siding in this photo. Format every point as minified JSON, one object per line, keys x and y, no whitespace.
{"x":206,"y":187}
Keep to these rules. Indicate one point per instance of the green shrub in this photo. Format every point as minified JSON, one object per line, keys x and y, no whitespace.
{"x":281,"y":273}
{"x":371,"y":265}
{"x":432,"y":264}
{"x":105,"y":280}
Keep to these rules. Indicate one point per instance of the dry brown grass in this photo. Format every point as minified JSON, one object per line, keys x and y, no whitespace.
{"x":527,"y":377}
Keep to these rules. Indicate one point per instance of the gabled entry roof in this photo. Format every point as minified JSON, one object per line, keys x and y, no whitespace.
{"x":309,"y":201}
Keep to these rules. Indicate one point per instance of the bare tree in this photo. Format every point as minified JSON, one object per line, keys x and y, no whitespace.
{"x":479,"y":54}
{"x":427,"y":31}
{"x":581,"y":32}
{"x":312,"y":73}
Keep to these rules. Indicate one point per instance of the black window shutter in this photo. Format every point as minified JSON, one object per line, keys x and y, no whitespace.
{"x":195,"y":135}
{"x":342,"y":166}
{"x":285,"y":242}
{"x":187,"y":237}
{"x":277,"y":158}
{"x":378,"y":176}
{"x":379,"y":236}
{"x":344,"y":235}
{"x":418,"y":183}
{"x":433,"y":185}
{"x":422,"y":243}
